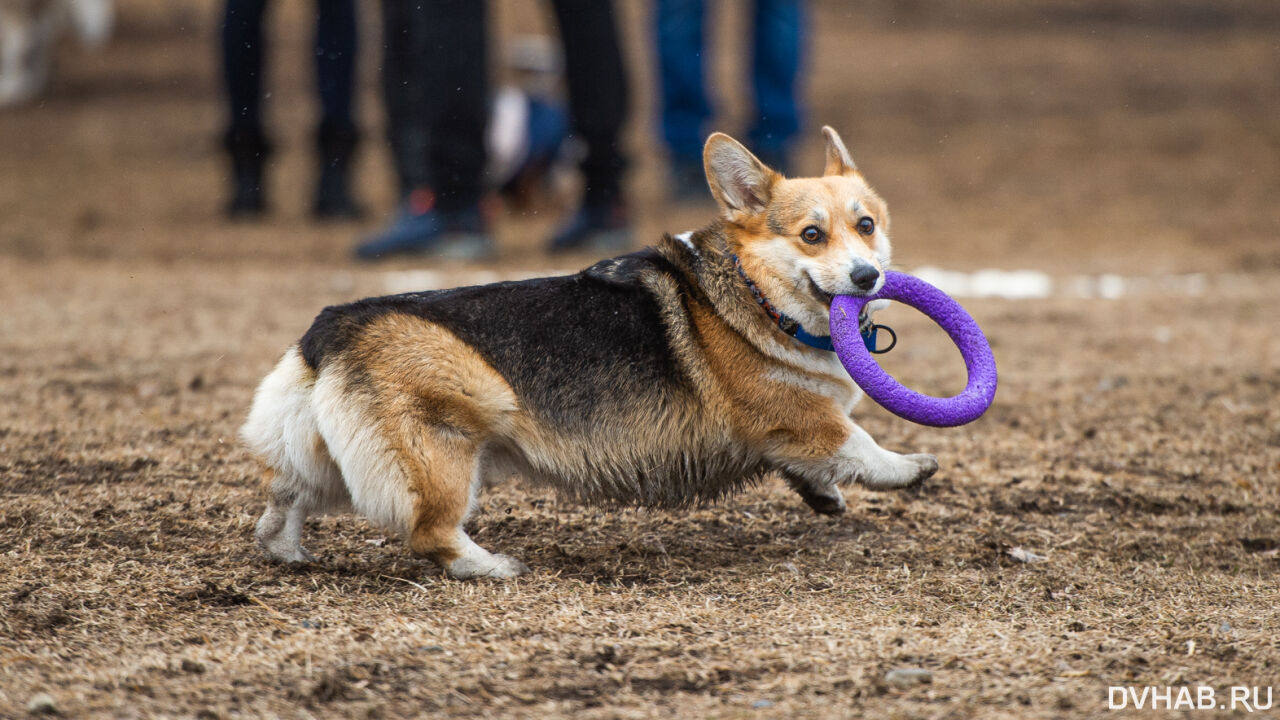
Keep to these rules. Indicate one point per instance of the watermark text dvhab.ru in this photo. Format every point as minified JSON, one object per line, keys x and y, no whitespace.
{"x":1189,"y":697}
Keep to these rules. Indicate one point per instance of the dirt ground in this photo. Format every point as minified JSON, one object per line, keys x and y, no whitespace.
{"x":1134,"y":444}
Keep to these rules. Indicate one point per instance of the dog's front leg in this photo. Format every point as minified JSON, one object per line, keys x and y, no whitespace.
{"x":884,"y":469}
{"x":816,"y":477}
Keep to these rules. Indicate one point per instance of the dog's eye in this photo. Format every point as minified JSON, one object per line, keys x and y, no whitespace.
{"x":866,"y":226}
{"x":811,"y":234}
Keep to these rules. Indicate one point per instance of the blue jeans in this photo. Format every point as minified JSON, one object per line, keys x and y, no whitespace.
{"x":777,"y":37}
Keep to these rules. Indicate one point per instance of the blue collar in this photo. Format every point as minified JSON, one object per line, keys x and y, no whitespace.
{"x":785,"y":323}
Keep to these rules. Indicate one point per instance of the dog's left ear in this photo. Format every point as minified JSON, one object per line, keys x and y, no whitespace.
{"x":838,"y":160}
{"x":740,"y":183}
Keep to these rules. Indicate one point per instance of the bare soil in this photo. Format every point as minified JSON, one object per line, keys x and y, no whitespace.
{"x":1135,"y":442}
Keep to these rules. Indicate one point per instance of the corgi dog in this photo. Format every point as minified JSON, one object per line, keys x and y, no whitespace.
{"x":664,"y":378}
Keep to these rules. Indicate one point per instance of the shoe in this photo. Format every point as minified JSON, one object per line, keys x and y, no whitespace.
{"x":421,"y":229}
{"x":595,"y":227}
{"x":248,"y":150}
{"x":333,"y":200}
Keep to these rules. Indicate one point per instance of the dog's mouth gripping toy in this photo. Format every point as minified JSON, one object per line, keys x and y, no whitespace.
{"x":854,"y":348}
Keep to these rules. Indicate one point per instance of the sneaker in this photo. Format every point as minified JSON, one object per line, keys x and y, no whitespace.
{"x":424,"y":230}
{"x":594,"y":228}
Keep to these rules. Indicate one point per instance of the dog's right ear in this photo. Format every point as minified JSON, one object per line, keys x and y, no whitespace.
{"x":740,"y":183}
{"x":838,"y":160}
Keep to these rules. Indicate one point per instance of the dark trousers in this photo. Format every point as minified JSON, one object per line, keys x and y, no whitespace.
{"x":436,"y":91}
{"x":244,"y":48}
{"x":777,"y":41}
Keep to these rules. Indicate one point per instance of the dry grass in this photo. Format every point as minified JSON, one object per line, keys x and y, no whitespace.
{"x":1135,"y":443}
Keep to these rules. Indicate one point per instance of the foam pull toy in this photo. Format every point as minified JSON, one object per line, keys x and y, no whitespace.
{"x":898,"y":399}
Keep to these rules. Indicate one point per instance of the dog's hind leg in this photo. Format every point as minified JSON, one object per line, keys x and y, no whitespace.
{"x":446,"y":475}
{"x":411,"y":463}
{"x":279,"y":530}
{"x":290,"y":499}
{"x":408,"y":415}
{"x":301,"y":477}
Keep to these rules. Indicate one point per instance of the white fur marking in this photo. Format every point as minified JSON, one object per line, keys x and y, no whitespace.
{"x":687,"y":238}
{"x":861,"y":459}
{"x":475,"y":562}
{"x":379,"y":490}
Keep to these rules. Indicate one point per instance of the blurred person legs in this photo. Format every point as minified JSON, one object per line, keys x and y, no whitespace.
{"x":597,"y":84}
{"x":243,"y":55}
{"x":776,"y":42}
{"x":686,"y":108}
{"x":435,"y":89}
{"x":684,"y":105}
{"x":336,"y":137}
{"x":245,"y":139}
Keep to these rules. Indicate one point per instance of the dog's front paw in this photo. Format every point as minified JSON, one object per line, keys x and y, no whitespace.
{"x":865,"y":321}
{"x":906,"y":471}
{"x":493,"y":565}
{"x":926,"y":465}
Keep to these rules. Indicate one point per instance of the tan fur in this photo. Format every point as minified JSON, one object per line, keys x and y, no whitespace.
{"x":764,"y":412}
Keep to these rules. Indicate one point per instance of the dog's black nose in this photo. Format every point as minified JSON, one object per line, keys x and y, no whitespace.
{"x":864,"y":277}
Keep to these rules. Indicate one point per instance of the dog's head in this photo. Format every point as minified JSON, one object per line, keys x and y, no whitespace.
{"x":805,"y":240}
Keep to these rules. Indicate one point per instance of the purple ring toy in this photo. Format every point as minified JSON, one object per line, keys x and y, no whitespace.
{"x":966,"y":407}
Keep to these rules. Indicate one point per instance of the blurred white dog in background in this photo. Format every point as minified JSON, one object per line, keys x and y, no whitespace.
{"x":29,"y":32}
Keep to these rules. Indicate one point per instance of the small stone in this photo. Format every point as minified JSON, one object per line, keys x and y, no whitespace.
{"x":908,"y":677}
{"x":762,"y":704}
{"x":192,"y":666}
{"x":1112,"y":383}
{"x":42,"y":704}
{"x":653,"y":546}
{"x":1025,"y":556}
